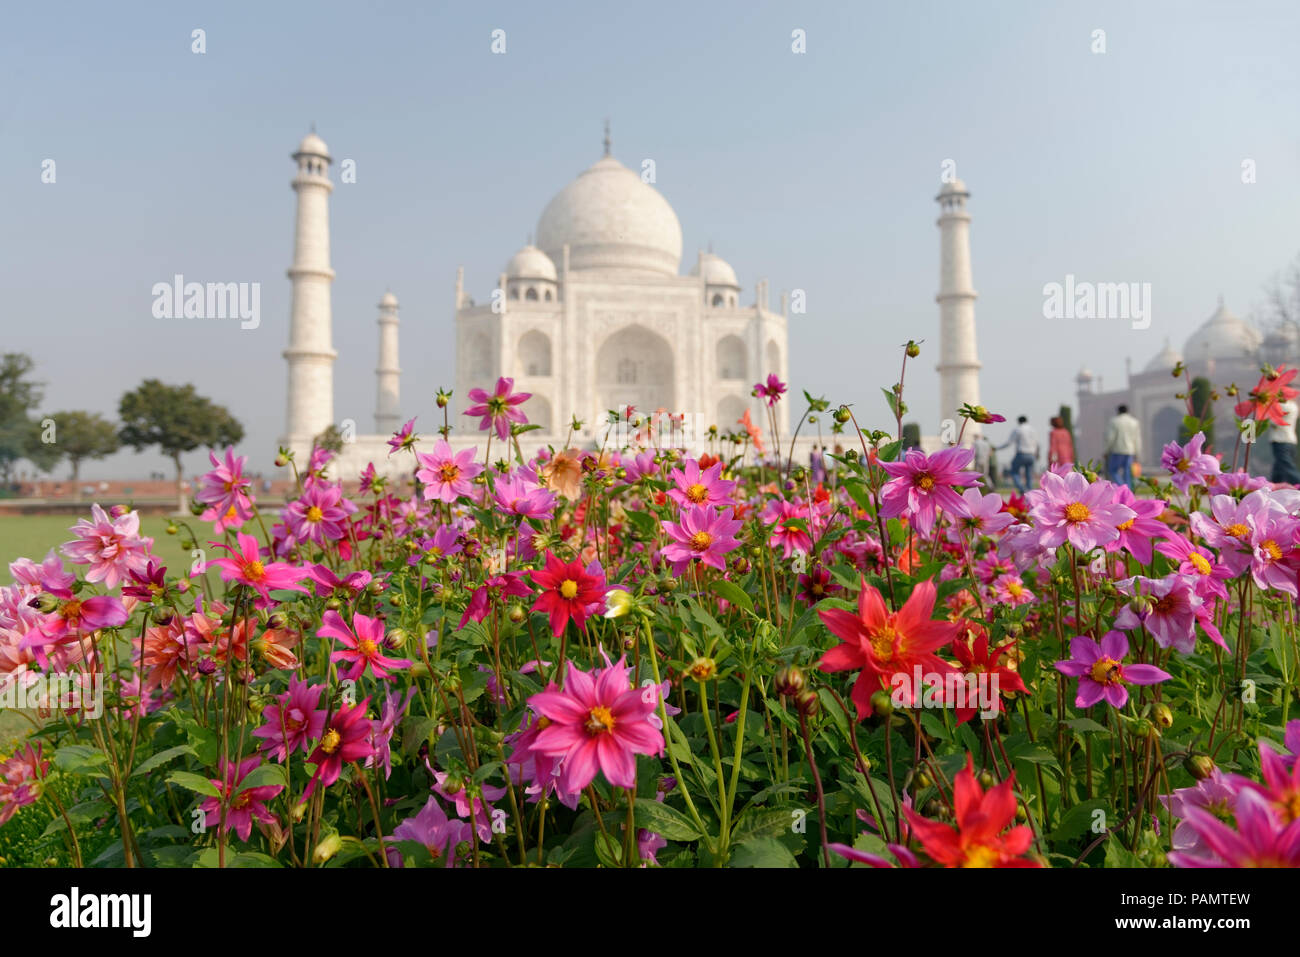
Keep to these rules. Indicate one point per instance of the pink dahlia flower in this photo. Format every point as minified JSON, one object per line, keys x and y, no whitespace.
{"x":112,"y":547}
{"x":1069,"y":508}
{"x":922,"y":484}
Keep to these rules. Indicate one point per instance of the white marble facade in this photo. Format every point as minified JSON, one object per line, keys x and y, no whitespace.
{"x":594,"y":317}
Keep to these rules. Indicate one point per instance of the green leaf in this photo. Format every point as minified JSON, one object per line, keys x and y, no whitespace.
{"x":81,"y":759}
{"x":161,"y":758}
{"x":732,"y":593}
{"x":264,"y":775}
{"x":762,"y":852}
{"x":194,"y":782}
{"x":1077,"y":820}
{"x":764,"y":822}
{"x":608,"y":850}
{"x":665,"y":821}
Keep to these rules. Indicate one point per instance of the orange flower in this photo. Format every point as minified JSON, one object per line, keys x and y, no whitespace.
{"x":563,"y":474}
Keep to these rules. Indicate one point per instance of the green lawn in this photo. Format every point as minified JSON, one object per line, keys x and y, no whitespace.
{"x":31,"y":536}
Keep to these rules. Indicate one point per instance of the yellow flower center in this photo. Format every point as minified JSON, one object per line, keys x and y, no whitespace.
{"x":925,"y":482}
{"x":314,"y":514}
{"x":700,"y":541}
{"x":255,"y":571}
{"x":1273,"y":549}
{"x":367,"y":647}
{"x":697,"y":493}
{"x":568,"y":588}
{"x":240,"y":802}
{"x":230,"y":513}
{"x":1077,"y":512}
{"x":882,"y":643}
{"x":448,"y":471}
{"x":330,"y":743}
{"x":71,"y":611}
{"x":1125,"y":526}
{"x":1105,"y":671}
{"x":1200,"y":562}
{"x":1015,"y":589}
{"x":1237,"y":530}
{"x":981,"y":855}
{"x":599,"y":720}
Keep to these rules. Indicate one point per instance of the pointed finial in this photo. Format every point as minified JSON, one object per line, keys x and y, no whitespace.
{"x":1220,"y":300}
{"x":313,"y":126}
{"x":607,"y":143}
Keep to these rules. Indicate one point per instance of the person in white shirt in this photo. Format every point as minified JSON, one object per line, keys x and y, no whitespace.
{"x":1025,"y":448}
{"x":1123,"y":445}
{"x":983,"y":449}
{"x":1283,"y":440}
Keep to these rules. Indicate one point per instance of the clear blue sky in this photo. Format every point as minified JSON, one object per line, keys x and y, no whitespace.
{"x":815,"y":171}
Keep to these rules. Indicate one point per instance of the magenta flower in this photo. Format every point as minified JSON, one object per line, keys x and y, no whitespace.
{"x":1262,"y":838}
{"x":922,"y":483}
{"x":772,"y":390}
{"x":435,"y":831}
{"x":1216,"y":794}
{"x":984,"y":516}
{"x":346,"y":738}
{"x":1200,"y":563}
{"x":71,"y":619}
{"x":395,"y":704}
{"x":243,"y":805}
{"x":789,"y":538}
{"x":318,"y":516}
{"x":112,"y":547}
{"x":1227,"y":528}
{"x":1137,"y":534}
{"x":447,"y":475}
{"x":496,"y":588}
{"x":1188,"y":465}
{"x":499,"y":409}
{"x":403,"y":438}
{"x":147,"y":585}
{"x":327,"y":585}
{"x":1273,"y":563}
{"x":246,"y":567}
{"x":444,"y":543}
{"x":1101,"y":672}
{"x":1166,"y":606}
{"x":294,"y":721}
{"x":225,"y":491}
{"x":361,"y":649}
{"x":471,"y":800}
{"x":597,"y":723}
{"x":704,"y":534}
{"x":695,"y":486}
{"x":1068,"y":508}
{"x":1010,"y":590}
{"x":518,"y":495}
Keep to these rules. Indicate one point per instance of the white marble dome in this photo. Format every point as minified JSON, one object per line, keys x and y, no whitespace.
{"x":611,"y":220}
{"x":1222,"y":336}
{"x":389,"y":300}
{"x":313,"y":145}
{"x":716,"y":271}
{"x":1164,"y":360}
{"x":531,"y":263}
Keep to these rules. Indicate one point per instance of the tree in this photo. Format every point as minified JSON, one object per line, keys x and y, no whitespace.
{"x":331,"y":439}
{"x":911,"y":435}
{"x":1201,"y":416}
{"x":19,"y":395}
{"x":79,"y":436}
{"x":177,"y":420}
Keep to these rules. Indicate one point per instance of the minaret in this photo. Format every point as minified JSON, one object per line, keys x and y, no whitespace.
{"x":387,"y":417}
{"x":959,"y":367}
{"x":311,"y":352}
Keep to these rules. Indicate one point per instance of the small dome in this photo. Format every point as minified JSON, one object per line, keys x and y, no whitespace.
{"x":1085,"y":375}
{"x":313,"y":145}
{"x":1164,"y":360}
{"x":1283,"y":342}
{"x":1222,"y":336}
{"x":956,"y":186}
{"x":716,"y":271}
{"x":610,"y":219}
{"x":530,"y":263}
{"x":389,"y":301}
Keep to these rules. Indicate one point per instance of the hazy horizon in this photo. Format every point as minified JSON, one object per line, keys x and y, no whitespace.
{"x":817,"y":171}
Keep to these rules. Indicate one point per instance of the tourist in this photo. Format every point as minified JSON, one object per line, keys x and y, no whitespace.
{"x":1060,"y":445}
{"x":1284,"y":446}
{"x":1123,"y":445}
{"x":983,"y":449}
{"x":1025,"y":449}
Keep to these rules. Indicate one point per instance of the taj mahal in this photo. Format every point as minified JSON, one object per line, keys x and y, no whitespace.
{"x":592,"y":316}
